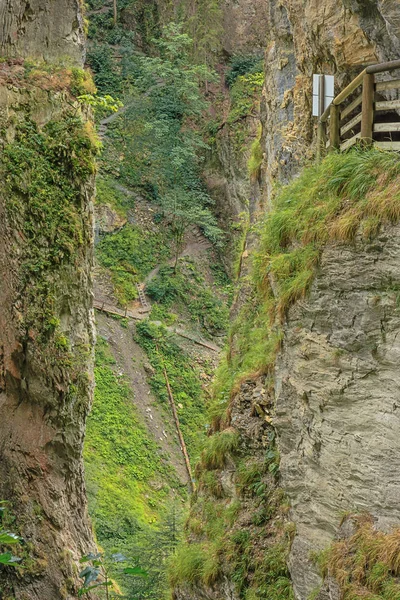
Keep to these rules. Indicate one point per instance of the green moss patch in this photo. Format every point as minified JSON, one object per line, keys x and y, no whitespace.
{"x":134,"y":494}
{"x":45,"y":171}
{"x":184,"y":380}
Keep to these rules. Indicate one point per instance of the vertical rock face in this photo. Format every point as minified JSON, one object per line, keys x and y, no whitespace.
{"x":337,"y":378}
{"x":47,"y":150}
{"x":337,"y":398}
{"x":245,"y":24}
{"x":46,"y":30}
{"x":46,"y":341}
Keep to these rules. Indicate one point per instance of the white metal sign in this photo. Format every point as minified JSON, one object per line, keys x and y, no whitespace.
{"x":323,"y":93}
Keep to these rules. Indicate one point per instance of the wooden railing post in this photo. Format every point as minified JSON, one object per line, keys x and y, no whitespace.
{"x":321,"y":140}
{"x":367,"y":118}
{"x":334,"y":127}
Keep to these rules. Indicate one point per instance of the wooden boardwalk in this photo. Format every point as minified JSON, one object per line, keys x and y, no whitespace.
{"x":112,"y":310}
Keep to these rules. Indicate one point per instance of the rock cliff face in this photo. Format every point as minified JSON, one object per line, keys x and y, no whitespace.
{"x":46,"y":317}
{"x":336,"y":380}
{"x":46,"y":345}
{"x":337,"y":398}
{"x":49,"y":30}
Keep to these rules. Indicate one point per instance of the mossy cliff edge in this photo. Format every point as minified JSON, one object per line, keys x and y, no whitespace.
{"x":47,"y":167}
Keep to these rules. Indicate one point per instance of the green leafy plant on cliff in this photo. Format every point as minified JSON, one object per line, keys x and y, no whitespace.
{"x":45,"y":171}
{"x":96,"y":574}
{"x":7,"y":539}
{"x":252,"y":557}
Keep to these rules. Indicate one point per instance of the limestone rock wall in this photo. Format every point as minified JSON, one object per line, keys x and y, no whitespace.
{"x":337,"y":398}
{"x":46,"y":367}
{"x":46,"y":314}
{"x":42,"y":29}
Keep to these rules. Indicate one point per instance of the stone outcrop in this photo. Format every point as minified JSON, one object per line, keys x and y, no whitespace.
{"x":46,"y":373}
{"x":337,"y":400}
{"x":45,"y":30}
{"x":245,"y":24}
{"x":332,"y":37}
{"x":46,"y":315}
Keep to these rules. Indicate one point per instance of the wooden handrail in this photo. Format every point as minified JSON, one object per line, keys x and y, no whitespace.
{"x":337,"y":116}
{"x":349,"y":89}
{"x":382,"y":67}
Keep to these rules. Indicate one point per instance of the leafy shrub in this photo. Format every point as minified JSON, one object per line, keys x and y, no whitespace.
{"x":7,"y":539}
{"x":199,"y":300}
{"x":130,"y":254}
{"x":243,"y":65}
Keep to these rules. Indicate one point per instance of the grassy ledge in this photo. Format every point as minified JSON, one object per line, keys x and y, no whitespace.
{"x":346,"y":194}
{"x":366,"y":564}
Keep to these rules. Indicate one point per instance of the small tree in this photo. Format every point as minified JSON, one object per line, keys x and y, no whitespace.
{"x":162,"y":147}
{"x":96,"y":574}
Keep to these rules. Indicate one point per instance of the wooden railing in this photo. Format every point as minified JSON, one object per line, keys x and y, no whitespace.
{"x":362,"y":113}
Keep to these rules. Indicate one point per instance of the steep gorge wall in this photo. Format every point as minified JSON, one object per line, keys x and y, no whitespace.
{"x":46,"y":317}
{"x":337,"y":397}
{"x":50,"y":30}
{"x":336,"y":391}
{"x":336,"y":382}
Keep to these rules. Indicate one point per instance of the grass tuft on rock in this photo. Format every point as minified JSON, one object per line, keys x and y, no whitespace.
{"x":366,"y":564}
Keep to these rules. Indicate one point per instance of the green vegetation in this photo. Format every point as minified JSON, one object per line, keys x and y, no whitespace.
{"x":107,"y":193}
{"x":132,"y":489}
{"x":365,"y":565}
{"x":96,"y":574}
{"x":45,"y":171}
{"x":256,"y":157}
{"x":218,"y":447}
{"x":7,"y":539}
{"x":346,"y":194}
{"x":184,"y":379}
{"x":158,"y":138}
{"x":222,"y":544}
{"x":187,"y":291}
{"x":130,"y":254}
{"x":245,"y":94}
{"x":240,"y":65}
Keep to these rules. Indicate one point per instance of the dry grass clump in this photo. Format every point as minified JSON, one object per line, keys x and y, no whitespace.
{"x":367,"y":564}
{"x":218,"y":447}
